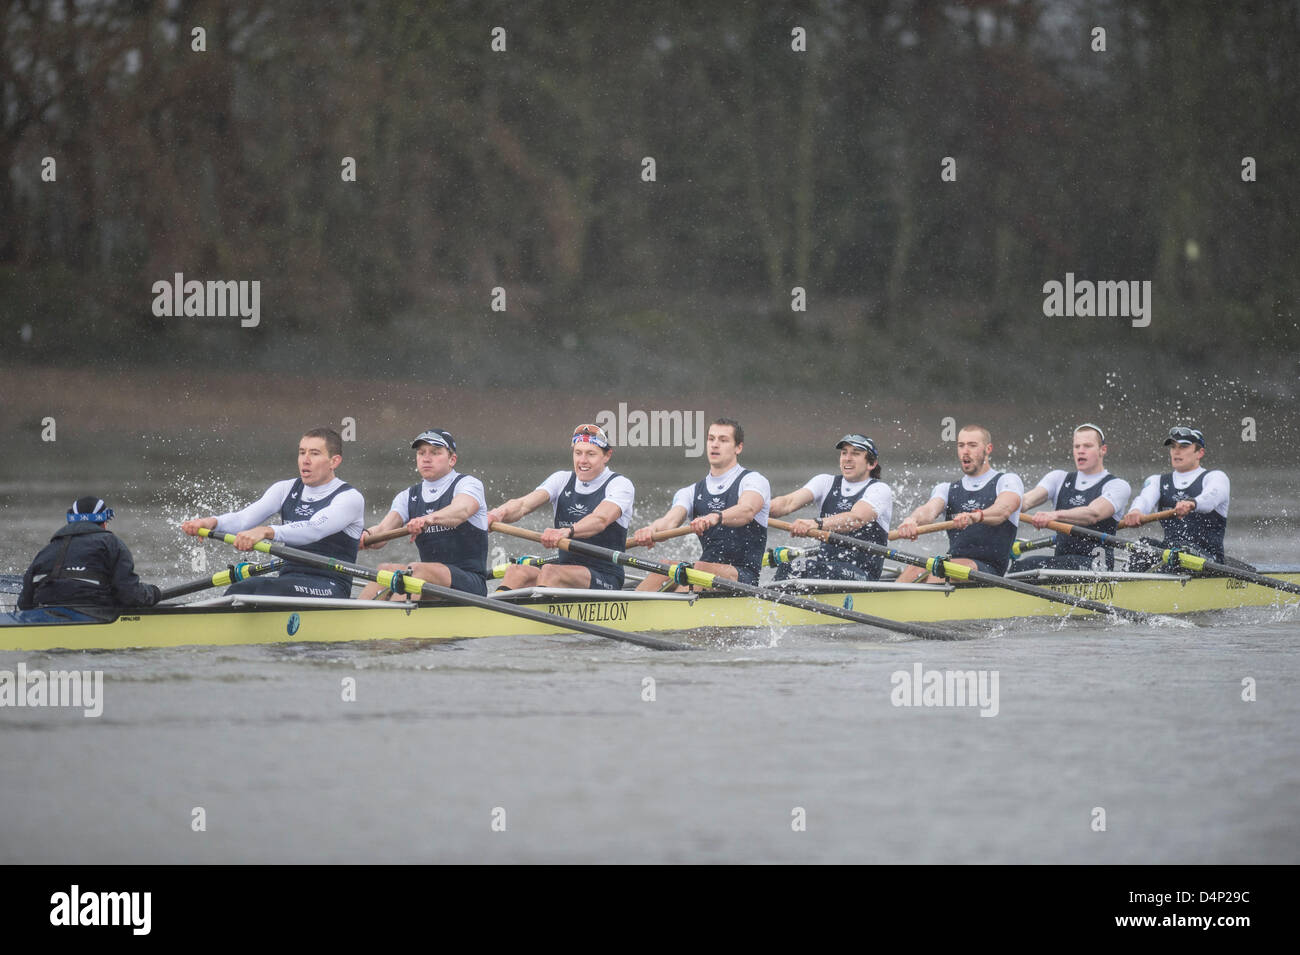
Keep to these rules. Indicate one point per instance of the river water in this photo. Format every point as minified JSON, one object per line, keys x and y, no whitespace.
{"x":1112,"y":742}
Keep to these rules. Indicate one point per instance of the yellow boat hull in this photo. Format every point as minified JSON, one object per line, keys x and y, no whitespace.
{"x":282,"y":620}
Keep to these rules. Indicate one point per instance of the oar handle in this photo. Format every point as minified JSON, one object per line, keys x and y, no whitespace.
{"x":387,"y":536}
{"x":682,"y":531}
{"x":521,"y":532}
{"x":1063,"y":528}
{"x":893,"y":535}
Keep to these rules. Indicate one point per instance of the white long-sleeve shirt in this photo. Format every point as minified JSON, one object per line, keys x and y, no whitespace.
{"x":347,"y":512}
{"x":1213,"y":497}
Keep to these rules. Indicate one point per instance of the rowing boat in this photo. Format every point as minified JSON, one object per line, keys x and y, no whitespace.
{"x":250,"y":619}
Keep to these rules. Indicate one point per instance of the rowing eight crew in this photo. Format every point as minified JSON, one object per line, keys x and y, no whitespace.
{"x":446,"y":514}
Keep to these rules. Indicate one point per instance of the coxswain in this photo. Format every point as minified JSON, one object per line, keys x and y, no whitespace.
{"x":85,"y":564}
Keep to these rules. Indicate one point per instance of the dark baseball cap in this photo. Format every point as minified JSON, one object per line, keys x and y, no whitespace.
{"x":1181,"y":435}
{"x":859,"y":441}
{"x":437,"y":437}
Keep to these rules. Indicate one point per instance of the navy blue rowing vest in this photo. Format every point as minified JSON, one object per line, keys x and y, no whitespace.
{"x":463,"y":546}
{"x":573,"y":507}
{"x":991,"y":544}
{"x":1203,"y":531}
{"x":741,"y":547}
{"x":1068,"y":497}
{"x":838,"y":503}
{"x":340,"y":545}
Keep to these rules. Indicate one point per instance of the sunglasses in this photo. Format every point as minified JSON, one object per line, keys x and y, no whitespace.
{"x":592,"y":434}
{"x":1185,"y":436}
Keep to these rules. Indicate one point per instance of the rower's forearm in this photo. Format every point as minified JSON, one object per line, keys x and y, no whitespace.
{"x":1034,"y":498}
{"x":392,"y":520}
{"x":668,"y":522}
{"x":922,"y":515}
{"x":1083,"y":516}
{"x":455,"y":514}
{"x":996,"y":516}
{"x":737,"y":515}
{"x":589,"y":526}
{"x":844,"y":523}
{"x":512,"y":510}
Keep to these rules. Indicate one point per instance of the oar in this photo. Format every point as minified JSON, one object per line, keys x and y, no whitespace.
{"x":413,"y":585}
{"x":893,"y":535}
{"x":1172,"y":555}
{"x":1022,"y":546}
{"x":775,"y":556}
{"x":685,"y":573}
{"x":923,"y":529}
{"x":499,"y":570}
{"x":941,"y":568}
{"x":388,"y":536}
{"x":666,"y":535}
{"x":240,"y":571}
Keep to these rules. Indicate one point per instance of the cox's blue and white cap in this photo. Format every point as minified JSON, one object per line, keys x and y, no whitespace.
{"x":1181,"y":435}
{"x":90,"y":510}
{"x":436,"y":437}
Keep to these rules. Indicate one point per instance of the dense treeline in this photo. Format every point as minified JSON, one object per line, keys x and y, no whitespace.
{"x":524,"y":168}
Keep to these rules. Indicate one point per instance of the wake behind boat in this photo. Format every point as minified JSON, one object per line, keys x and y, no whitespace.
{"x":265,"y":619}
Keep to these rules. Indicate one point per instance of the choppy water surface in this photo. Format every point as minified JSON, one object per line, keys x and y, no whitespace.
{"x":553,"y":736}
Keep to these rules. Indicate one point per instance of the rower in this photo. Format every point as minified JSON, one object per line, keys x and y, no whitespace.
{"x":1199,"y":499}
{"x":590,"y":503}
{"x":85,"y":564}
{"x":984,"y":506}
{"x":854,"y":502}
{"x":446,"y":515}
{"x":1090,"y":496}
{"x":318,"y":513}
{"x":727,"y":508}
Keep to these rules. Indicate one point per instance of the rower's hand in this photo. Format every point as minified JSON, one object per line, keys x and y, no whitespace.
{"x":497,"y":515}
{"x":645,"y":537}
{"x":1183,"y":508}
{"x":1041,"y":519}
{"x":365,"y":544}
{"x":907,"y":529}
{"x":1131,"y":519}
{"x":246,"y":540}
{"x":963,"y":520}
{"x":416,"y":525}
{"x":706,"y":522}
{"x":552,"y":536}
{"x":803,"y":527}
{"x":191,"y":527}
